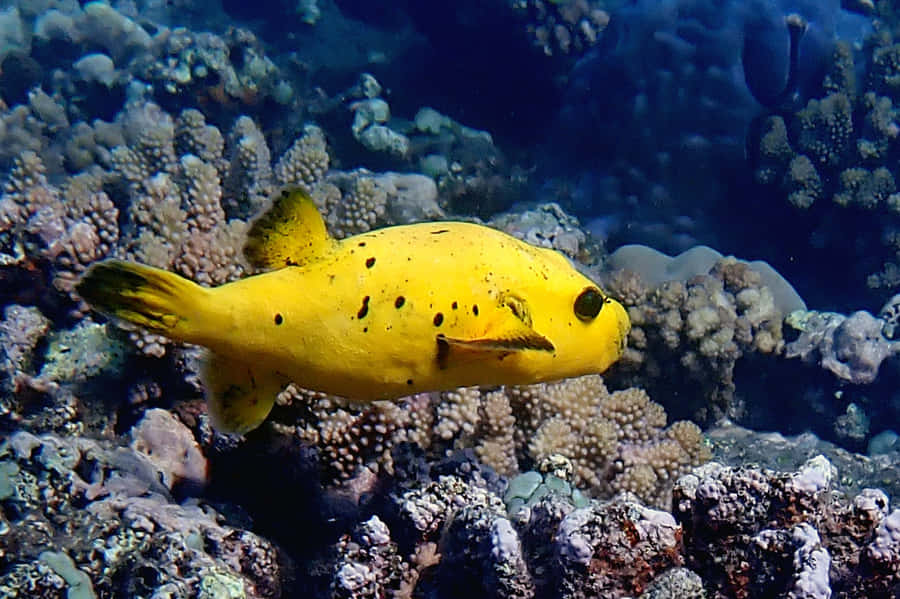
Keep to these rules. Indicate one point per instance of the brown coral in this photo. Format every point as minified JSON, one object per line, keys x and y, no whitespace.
{"x":615,"y":441}
{"x":696,"y":331}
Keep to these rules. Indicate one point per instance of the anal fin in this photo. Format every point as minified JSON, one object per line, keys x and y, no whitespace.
{"x":239,"y":396}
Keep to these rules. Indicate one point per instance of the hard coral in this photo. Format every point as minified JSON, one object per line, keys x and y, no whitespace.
{"x":700,"y":328}
{"x":306,"y":161}
{"x":749,"y":531}
{"x":839,"y":147}
{"x":616,"y":441}
{"x":570,"y":27}
{"x":106,"y":513}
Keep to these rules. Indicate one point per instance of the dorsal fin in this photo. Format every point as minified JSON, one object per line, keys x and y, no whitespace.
{"x":290,"y":233}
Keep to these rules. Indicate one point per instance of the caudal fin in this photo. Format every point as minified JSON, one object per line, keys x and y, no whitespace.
{"x":158,"y":300}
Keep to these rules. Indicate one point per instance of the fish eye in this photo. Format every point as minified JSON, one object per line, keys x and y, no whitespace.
{"x":588,"y":303}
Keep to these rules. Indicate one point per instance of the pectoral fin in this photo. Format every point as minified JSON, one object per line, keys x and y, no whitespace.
{"x":451,"y":350}
{"x":238,"y":396}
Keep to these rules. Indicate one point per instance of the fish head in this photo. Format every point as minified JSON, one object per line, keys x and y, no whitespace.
{"x":587,"y":327}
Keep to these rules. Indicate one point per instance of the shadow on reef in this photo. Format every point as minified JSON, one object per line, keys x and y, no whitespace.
{"x":274,"y":484}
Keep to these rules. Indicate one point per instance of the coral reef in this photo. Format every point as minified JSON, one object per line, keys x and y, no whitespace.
{"x":546,"y":225}
{"x":839,"y":149}
{"x":739,"y":532}
{"x":616,"y":441}
{"x":851,"y":347}
{"x":472,"y":172}
{"x":157,"y":131}
{"x":456,"y":527}
{"x":93,"y":520}
{"x":696,"y":328}
{"x":566,"y":28}
{"x":647,"y":154}
{"x":786,"y":533}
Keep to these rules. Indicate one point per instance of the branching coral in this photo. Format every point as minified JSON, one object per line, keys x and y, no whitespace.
{"x":697,"y":330}
{"x":616,"y":441}
{"x":185,"y":195}
{"x":349,"y":438}
{"x":842,"y":147}
{"x":71,"y":229}
{"x":306,"y":161}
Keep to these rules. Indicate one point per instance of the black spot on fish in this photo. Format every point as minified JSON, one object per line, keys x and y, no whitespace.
{"x":361,"y":244}
{"x":398,"y":303}
{"x":279,"y":319}
{"x":365,"y":308}
{"x":475,"y":309}
{"x":439,"y":231}
{"x":232,"y":393}
{"x":289,"y":262}
{"x":454,"y":305}
{"x":365,"y":329}
{"x":438,"y":319}
{"x":370,"y":262}
{"x":409,"y":382}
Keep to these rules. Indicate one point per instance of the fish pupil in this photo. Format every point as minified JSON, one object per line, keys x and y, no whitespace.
{"x":588,"y":303}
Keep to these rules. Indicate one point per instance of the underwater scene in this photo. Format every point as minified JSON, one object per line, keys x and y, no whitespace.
{"x":416,"y":299}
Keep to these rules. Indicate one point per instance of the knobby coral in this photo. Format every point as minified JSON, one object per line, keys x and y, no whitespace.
{"x":617,"y":441}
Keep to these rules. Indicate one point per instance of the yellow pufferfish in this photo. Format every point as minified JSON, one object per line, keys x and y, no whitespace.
{"x":395,"y":311}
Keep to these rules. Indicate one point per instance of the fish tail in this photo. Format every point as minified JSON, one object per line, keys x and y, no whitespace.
{"x":155,"y":299}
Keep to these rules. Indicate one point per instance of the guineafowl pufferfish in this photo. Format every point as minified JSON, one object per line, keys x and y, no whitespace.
{"x":388,"y":313}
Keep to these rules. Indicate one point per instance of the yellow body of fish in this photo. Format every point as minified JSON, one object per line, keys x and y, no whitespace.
{"x":399,"y":310}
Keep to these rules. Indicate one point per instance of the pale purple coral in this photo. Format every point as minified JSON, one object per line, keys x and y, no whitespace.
{"x":851,"y":347}
{"x":615,"y":548}
{"x":739,"y":522}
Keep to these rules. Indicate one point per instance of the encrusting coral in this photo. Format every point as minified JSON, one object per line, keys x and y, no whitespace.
{"x":126,"y":535}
